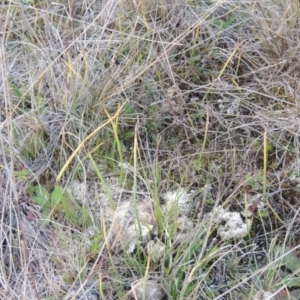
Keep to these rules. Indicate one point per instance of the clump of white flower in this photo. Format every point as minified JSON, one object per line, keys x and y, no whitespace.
{"x":78,"y":190}
{"x":257,"y":201}
{"x":146,"y":290}
{"x":263,"y":295}
{"x":184,"y":224}
{"x":136,"y":234}
{"x":156,"y":250}
{"x":133,"y":226}
{"x":178,"y":201}
{"x":233,"y":108}
{"x":234,"y":226}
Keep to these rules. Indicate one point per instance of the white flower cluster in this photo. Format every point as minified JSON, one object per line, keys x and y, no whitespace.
{"x":234,"y":226}
{"x":133,"y":229}
{"x":263,"y":295}
{"x":179,"y":200}
{"x":156,"y":250}
{"x":146,"y":289}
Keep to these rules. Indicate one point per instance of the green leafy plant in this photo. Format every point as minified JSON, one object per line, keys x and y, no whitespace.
{"x":22,"y":175}
{"x":291,"y":262}
{"x":56,"y":204}
{"x":41,"y":197}
{"x":254,"y":181}
{"x":50,"y":203}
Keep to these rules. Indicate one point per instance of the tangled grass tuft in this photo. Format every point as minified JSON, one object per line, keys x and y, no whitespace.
{"x":135,"y":135}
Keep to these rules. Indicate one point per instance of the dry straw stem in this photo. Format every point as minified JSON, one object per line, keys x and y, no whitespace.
{"x":170,"y":45}
{"x":52,"y":63}
{"x":254,"y":274}
{"x":81,"y":145}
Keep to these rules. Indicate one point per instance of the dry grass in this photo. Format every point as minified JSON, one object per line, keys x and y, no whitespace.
{"x":124,"y":122}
